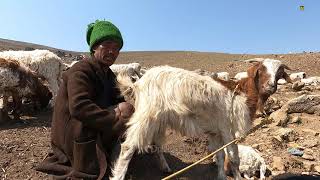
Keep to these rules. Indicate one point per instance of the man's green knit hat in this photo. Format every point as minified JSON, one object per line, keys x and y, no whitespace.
{"x":103,"y":30}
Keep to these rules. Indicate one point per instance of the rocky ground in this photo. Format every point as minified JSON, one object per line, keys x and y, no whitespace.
{"x":289,"y":127}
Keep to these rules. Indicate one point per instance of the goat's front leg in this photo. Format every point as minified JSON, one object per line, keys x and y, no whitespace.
{"x":121,"y":166}
{"x":164,"y":167}
{"x":215,"y":142}
{"x":17,"y":105}
{"x":4,"y":116}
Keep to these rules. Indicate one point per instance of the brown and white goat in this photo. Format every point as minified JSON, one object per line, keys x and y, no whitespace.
{"x":192,"y":105}
{"x":18,"y":81}
{"x":267,"y":72}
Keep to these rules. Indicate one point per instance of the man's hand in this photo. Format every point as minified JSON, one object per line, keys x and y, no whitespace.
{"x":123,"y":111}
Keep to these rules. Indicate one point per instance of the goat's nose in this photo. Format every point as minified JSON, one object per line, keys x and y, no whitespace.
{"x":271,"y":84}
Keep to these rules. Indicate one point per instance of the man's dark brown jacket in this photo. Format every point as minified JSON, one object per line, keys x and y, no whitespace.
{"x":83,"y":129}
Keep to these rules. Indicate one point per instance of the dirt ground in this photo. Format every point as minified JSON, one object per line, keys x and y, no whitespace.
{"x":24,"y":145}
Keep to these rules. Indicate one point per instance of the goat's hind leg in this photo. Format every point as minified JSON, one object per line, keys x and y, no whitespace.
{"x":121,"y":165}
{"x":233,"y":154}
{"x":4,"y":116}
{"x":163,"y":164}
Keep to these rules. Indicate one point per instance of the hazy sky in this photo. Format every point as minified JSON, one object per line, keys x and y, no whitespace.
{"x":232,"y":26}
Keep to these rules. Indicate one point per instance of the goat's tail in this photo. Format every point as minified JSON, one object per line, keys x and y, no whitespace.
{"x":125,"y":85}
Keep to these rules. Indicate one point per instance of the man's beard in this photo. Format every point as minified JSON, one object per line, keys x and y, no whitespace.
{"x":108,"y":59}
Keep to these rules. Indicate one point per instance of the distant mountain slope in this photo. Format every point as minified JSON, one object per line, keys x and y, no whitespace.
{"x":6,"y":44}
{"x":211,"y":61}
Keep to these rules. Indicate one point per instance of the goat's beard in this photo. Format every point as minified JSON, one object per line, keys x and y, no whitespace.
{"x":268,"y":91}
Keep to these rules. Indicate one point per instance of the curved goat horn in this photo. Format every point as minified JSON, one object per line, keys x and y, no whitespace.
{"x":254,"y":60}
{"x":286,"y":67}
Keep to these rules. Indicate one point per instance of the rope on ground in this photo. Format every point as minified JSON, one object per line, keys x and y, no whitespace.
{"x":208,"y":156}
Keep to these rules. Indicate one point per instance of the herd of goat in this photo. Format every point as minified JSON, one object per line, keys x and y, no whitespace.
{"x":190,"y":102}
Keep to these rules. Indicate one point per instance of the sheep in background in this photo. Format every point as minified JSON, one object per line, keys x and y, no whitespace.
{"x":241,"y":75}
{"x":69,"y":65}
{"x":223,"y":75}
{"x":143,"y":71}
{"x":250,"y":162}
{"x":298,"y":76}
{"x":19,"y":81}
{"x":282,"y":81}
{"x":43,"y":62}
{"x":206,"y":73}
{"x":315,"y":80}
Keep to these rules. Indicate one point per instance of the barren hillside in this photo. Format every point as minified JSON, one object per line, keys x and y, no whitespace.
{"x":24,"y":145}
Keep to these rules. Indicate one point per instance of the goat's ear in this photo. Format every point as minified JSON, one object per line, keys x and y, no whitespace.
{"x":286,"y":77}
{"x":253,"y":70}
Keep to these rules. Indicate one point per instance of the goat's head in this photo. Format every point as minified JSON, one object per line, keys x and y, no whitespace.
{"x":124,"y":83}
{"x":42,"y":92}
{"x":266,"y":74}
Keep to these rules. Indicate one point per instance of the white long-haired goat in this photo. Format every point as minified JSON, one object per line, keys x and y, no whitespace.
{"x":188,"y":103}
{"x":192,"y":105}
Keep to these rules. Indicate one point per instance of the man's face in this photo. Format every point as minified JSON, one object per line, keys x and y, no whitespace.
{"x":106,"y":52}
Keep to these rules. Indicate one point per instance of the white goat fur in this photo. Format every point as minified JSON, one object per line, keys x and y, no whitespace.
{"x":43,"y":62}
{"x":250,"y":162}
{"x":132,"y":69}
{"x":116,"y":68}
{"x":188,"y":103}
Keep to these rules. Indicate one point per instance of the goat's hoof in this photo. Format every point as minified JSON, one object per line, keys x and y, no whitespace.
{"x":166,"y":170}
{"x":151,"y":149}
